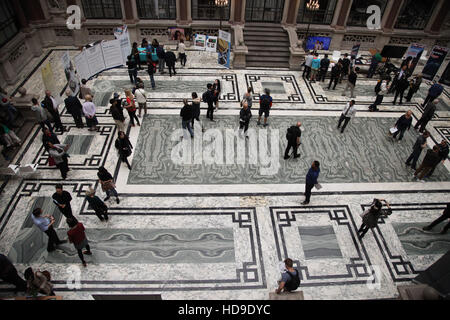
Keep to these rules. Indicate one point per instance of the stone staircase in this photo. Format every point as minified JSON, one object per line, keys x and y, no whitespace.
{"x":268,"y":45}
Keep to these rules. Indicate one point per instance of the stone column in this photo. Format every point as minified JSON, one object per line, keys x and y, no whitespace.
{"x":128,"y":12}
{"x":438,"y":17}
{"x":391,"y":14}
{"x":290,"y":12}
{"x":184,"y":16}
{"x":344,"y":11}
{"x":337,"y":10}
{"x":237,"y":12}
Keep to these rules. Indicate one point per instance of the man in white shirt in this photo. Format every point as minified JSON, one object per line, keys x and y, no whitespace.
{"x":308,"y":61}
{"x":348,"y":112}
{"x":141,"y":98}
{"x":182,"y":51}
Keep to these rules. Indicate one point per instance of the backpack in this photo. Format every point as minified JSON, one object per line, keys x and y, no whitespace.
{"x":294,"y":282}
{"x":154,"y":55}
{"x":205,"y":96}
{"x":378,"y":87}
{"x":289,"y":134}
{"x":265,"y":103}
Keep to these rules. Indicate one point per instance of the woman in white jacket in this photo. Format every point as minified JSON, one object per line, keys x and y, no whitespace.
{"x":141,"y":98}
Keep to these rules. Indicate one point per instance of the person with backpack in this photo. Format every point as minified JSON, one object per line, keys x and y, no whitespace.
{"x":348,"y":112}
{"x":324,"y":64}
{"x":208,"y":97}
{"x":248,"y":97}
{"x":244,"y":118}
{"x":381,"y":89}
{"x":370,"y":216}
{"x":433,"y":93}
{"x":293,"y":137}
{"x":265,"y":103}
{"x":170,"y":59}
{"x":315,"y":66}
{"x":290,"y":280}
{"x":132,"y":69}
{"x":38,"y":282}
{"x":141,"y":98}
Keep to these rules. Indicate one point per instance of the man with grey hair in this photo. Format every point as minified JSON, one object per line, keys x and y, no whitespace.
{"x":427,"y":115}
{"x":75,"y":108}
{"x":293,"y":137}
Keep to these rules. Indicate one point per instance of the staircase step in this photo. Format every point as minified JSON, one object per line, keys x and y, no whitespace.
{"x":261,"y":47}
{"x":263,"y":33}
{"x":266,"y":58}
{"x":268,"y":55}
{"x":265,"y":39}
{"x":255,"y":28}
{"x":267,"y":64}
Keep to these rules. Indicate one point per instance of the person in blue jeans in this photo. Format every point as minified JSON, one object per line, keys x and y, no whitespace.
{"x":132,"y":69}
{"x":311,"y":180}
{"x":186,"y":115}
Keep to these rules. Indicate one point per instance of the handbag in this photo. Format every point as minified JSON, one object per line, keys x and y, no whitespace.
{"x":108,"y":185}
{"x":318,"y":186}
{"x":392,"y":130}
{"x":47,"y":275}
{"x":51,"y":161}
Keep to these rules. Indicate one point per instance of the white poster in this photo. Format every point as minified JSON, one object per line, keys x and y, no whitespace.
{"x":72,"y":79}
{"x":226,"y":36}
{"x":112,"y":53}
{"x":95,"y":61}
{"x":81,"y":65}
{"x":211,"y":44}
{"x":200,"y":42}
{"x":121,"y":34}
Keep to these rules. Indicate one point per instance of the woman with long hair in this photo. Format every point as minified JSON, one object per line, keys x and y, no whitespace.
{"x":124,"y":147}
{"x":130,"y":105}
{"x":216,"y":90}
{"x":370,"y":216}
{"x":107,"y":182}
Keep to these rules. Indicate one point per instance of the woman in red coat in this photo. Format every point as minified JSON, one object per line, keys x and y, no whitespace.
{"x":77,"y":236}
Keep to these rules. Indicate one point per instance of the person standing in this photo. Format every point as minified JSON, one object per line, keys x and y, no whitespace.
{"x":290,"y":280}
{"x":62,"y":200}
{"x":433,"y":93}
{"x":51,"y":105}
{"x":151,"y":71}
{"x":182,"y":51}
{"x":132,"y":69}
{"x":89,"y":113}
{"x":77,"y":236}
{"x":402,"y":85}
{"x":403,"y":123}
{"x":307,"y":67}
{"x":135,"y":54}
{"x":9,"y":136}
{"x":107,"y":182}
{"x":216,"y":90}
{"x":381,"y":91}
{"x":324,"y":64}
{"x":195,"y":109}
{"x":345,"y":67}
{"x":37,"y":282}
{"x":75,"y":108}
{"x":427,"y":115}
{"x":244,"y":118}
{"x":49,"y":136}
{"x":265,"y":103}
{"x":84,"y":89}
{"x":445,"y":215}
{"x":421,"y":143}
{"x":130,"y":105}
{"x":45,"y":224}
{"x":373,"y":66}
{"x":100,"y":208}
{"x":117,"y":114}
{"x":40,"y":115}
{"x":186,"y":115}
{"x":8,"y":273}
{"x":161,"y":56}
{"x":414,"y":86}
{"x":311,"y":180}
{"x":401,"y":74}
{"x":124,"y":147}
{"x":335,"y":73}
{"x":429,"y":161}
{"x":248,"y":97}
{"x":208,"y":97}
{"x":141,"y":98}
{"x":59,"y":155}
{"x":442,"y":153}
{"x":370,"y":216}
{"x":293,"y":138}
{"x":171,"y":60}
{"x":351,"y":82}
{"x":348,"y":112}
{"x":315,"y":66}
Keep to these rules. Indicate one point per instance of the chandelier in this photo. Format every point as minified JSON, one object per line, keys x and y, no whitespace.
{"x":312,"y":5}
{"x":221,"y":3}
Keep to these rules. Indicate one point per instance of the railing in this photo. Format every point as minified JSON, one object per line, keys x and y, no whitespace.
{"x":417,"y":22}
{"x":210,"y":12}
{"x":315,"y":17}
{"x":165,"y":10}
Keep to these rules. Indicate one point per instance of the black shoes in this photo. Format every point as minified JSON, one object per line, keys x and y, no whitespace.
{"x":117,"y":200}
{"x":107,"y":198}
{"x":304,"y":202}
{"x":427,"y":228}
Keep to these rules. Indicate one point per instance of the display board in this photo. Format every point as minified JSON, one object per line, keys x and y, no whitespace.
{"x":200,"y":42}
{"x":211,"y":44}
{"x":69,"y":71}
{"x":393,"y":51}
{"x":437,"y":57}
{"x":445,"y":78}
{"x":415,"y":51}
{"x":112,"y":54}
{"x":121,"y":34}
{"x":224,"y":45}
{"x":318,"y":43}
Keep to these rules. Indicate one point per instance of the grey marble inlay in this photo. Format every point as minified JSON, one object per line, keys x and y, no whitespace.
{"x":275,"y":87}
{"x":170,"y":86}
{"x":364,"y":153}
{"x":319,"y":242}
{"x":148,"y":246}
{"x":415,"y":241}
{"x":79,"y":144}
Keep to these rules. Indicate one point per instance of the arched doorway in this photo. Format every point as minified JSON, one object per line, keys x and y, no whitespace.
{"x":270,"y":11}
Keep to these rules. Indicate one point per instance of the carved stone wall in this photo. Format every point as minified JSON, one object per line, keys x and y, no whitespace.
{"x":404,"y":40}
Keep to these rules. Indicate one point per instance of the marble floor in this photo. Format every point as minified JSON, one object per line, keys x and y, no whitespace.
{"x":213,"y":217}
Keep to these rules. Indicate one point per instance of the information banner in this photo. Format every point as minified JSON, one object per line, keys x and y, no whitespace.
{"x":434,"y":62}
{"x":211,"y":44}
{"x":355,"y":50}
{"x":445,"y":78}
{"x":47,"y":78}
{"x":72,"y":79}
{"x":200,"y":42}
{"x":224,"y":45}
{"x":81,"y":65}
{"x":415,"y":51}
{"x":112,"y":54}
{"x":94,"y":57}
{"x":121,"y":34}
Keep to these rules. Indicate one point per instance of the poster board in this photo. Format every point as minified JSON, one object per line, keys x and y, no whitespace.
{"x":121,"y":34}
{"x":200,"y":42}
{"x":81,"y":65}
{"x":437,"y":57}
{"x":355,"y":50}
{"x":95,"y":60}
{"x":415,"y":51}
{"x":47,"y":77}
{"x":211,"y":44}
{"x":69,"y":71}
{"x":112,"y":54}
{"x":224,"y":46}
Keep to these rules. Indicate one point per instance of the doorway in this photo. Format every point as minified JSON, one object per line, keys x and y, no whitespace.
{"x":270,"y":11}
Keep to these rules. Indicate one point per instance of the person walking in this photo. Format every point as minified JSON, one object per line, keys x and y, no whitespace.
{"x":9,"y":136}
{"x":182,"y":52}
{"x":427,"y":115}
{"x":45,"y":224}
{"x":445,"y":215}
{"x":8,"y":273}
{"x":107,"y":182}
{"x":335,"y":74}
{"x":348,"y":112}
{"x":38,"y":282}
{"x":85,"y":90}
{"x":171,"y":60}
{"x":62,"y":200}
{"x":248,"y":97}
{"x":141,"y":98}
{"x":186,"y":114}
{"x":161,"y":56}
{"x":421,"y":143}
{"x":433,"y":93}
{"x":345,"y":67}
{"x":311,"y":180}
{"x":208,"y":97}
{"x":400,"y":75}
{"x":402,"y":85}
{"x":265,"y":103}
{"x":403,"y":123}
{"x":117,"y":114}
{"x":307,"y":67}
{"x":130,"y":105}
{"x":370,"y":216}
{"x":51,"y":105}
{"x":151,"y":71}
{"x":216,"y":90}
{"x":290,"y":279}
{"x":293,"y":138}
{"x":429,"y":161}
{"x":40,"y":115}
{"x":244,"y":119}
{"x":135,"y":54}
{"x":195,"y":109}
{"x":89,"y":113}
{"x":373,"y":66}
{"x":132,"y":69}
{"x":443,"y":155}
{"x":49,"y":136}
{"x":75,"y":108}
{"x":100,"y":208}
{"x":315,"y":66}
{"x":77,"y":236}
{"x":351,"y":82}
{"x":59,"y":155}
{"x":381,"y":90}
{"x":324,"y":64}
{"x":414,"y":86}
{"x":124,"y":147}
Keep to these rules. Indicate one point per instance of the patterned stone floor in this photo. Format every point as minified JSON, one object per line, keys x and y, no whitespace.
{"x":204,"y":231}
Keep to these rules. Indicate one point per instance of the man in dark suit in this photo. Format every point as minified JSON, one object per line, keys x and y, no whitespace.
{"x":445,"y":216}
{"x":51,"y":105}
{"x":427,"y":115}
{"x":402,"y":85}
{"x":401,"y":74}
{"x":75,"y":108}
{"x":62,"y":200}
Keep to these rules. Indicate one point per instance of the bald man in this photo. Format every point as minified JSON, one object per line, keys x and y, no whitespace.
{"x":293,"y":137}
